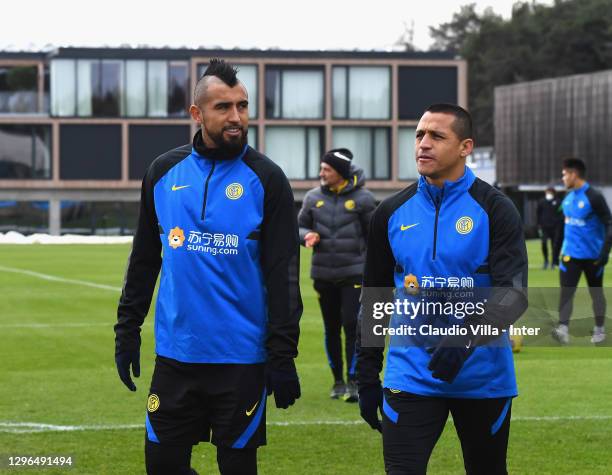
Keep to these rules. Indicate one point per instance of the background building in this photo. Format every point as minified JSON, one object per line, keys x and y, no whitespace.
{"x":539,"y":123}
{"x":78,"y":127}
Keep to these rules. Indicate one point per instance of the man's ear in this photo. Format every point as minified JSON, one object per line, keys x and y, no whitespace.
{"x":196,"y":114}
{"x":467,"y":146}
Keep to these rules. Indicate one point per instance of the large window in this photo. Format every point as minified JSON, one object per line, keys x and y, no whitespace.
{"x":99,"y":217}
{"x":146,"y":142}
{"x":136,"y":88}
{"x":90,"y":152}
{"x":361,"y":92}
{"x":294,"y":93}
{"x":297,"y":150}
{"x":421,"y":86}
{"x":178,"y":85}
{"x":117,"y":88}
{"x":157,"y":87}
{"x":63,"y":87}
{"x":247,"y":75}
{"x":25,"y":217}
{"x":25,"y":151}
{"x":370,"y":147}
{"x":407,"y":161}
{"x":99,"y":88}
{"x":18,"y":89}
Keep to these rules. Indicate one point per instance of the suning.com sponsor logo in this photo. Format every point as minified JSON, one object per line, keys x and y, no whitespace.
{"x":209,"y":243}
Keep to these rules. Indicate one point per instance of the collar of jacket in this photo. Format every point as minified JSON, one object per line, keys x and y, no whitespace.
{"x":338,"y":189}
{"x":583,"y":188}
{"x":355,"y":181}
{"x":198,"y":148}
{"x":449,"y":188}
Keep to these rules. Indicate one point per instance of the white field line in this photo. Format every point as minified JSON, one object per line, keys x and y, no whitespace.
{"x":54,"y":325}
{"x":84,"y":282}
{"x":64,"y":325}
{"x":34,"y":427}
{"x":54,"y":278}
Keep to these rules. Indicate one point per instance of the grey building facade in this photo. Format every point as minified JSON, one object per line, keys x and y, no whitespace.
{"x":539,"y":123}
{"x":79,"y":126}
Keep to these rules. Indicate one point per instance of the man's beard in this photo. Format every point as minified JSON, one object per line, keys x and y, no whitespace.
{"x":230,"y":147}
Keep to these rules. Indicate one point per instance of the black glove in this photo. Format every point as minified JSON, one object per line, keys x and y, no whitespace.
{"x":124,"y":360}
{"x":449,"y":356}
{"x":370,"y":403}
{"x":285,"y":385}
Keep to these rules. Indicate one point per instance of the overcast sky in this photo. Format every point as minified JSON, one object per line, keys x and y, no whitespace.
{"x":314,"y":24}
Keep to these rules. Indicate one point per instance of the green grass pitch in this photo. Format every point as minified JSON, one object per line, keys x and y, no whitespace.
{"x":57,"y":368}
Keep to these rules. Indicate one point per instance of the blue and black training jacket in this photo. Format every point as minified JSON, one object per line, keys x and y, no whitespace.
{"x":588,"y":224}
{"x":464,"y":235}
{"x":227,"y":231}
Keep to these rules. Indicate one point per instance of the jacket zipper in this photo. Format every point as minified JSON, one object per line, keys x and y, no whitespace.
{"x":437,"y":203}
{"x":212,"y":169}
{"x":333,"y":226}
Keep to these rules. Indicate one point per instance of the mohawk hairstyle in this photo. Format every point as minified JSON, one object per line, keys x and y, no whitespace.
{"x":224,"y":71}
{"x":216,"y":68}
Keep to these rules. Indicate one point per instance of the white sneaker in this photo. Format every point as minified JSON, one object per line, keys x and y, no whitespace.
{"x":599,"y":335}
{"x":561,"y":334}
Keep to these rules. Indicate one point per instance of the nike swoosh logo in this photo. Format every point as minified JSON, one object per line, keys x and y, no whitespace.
{"x":403,"y":228}
{"x":174,"y":187}
{"x":467,"y":347}
{"x":248,"y":413}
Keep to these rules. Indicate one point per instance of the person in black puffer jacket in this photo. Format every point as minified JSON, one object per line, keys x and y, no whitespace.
{"x":550,"y":226}
{"x":334,"y":221}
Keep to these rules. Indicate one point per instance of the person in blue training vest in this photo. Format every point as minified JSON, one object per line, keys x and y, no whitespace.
{"x":586,"y":247}
{"x":228,"y":305}
{"x":448,"y":230}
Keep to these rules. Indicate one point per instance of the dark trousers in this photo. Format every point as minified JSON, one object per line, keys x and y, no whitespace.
{"x":164,"y":459}
{"x":339,"y":302}
{"x":570,"y":271}
{"x":553,"y":235}
{"x":412,"y":425}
